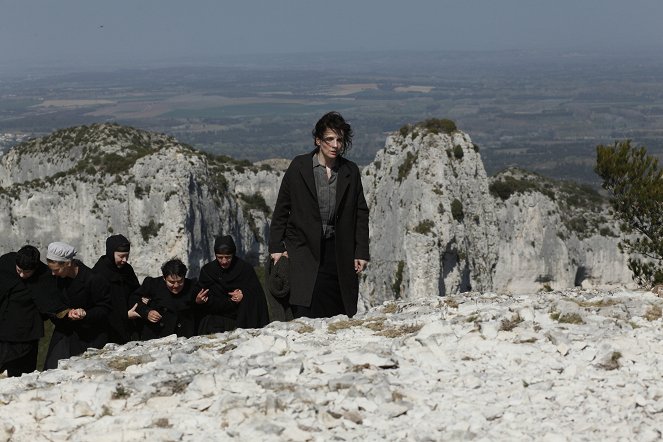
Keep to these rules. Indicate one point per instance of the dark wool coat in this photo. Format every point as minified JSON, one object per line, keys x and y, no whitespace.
{"x":297,"y":227}
{"x":177,"y":311}
{"x":219,"y":313}
{"x":23,"y":302}
{"x":89,"y":291}
{"x":123,"y":282}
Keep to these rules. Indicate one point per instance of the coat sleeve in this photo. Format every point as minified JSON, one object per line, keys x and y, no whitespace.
{"x":253,"y":312}
{"x":280,"y":216}
{"x":137,"y":298}
{"x":361,"y":228}
{"x":100,"y":307}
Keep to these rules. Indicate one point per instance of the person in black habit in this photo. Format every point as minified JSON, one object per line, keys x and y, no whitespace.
{"x":113,"y":266}
{"x":27,"y":295}
{"x":87,"y":295}
{"x":235,"y":298}
{"x":167,"y":303}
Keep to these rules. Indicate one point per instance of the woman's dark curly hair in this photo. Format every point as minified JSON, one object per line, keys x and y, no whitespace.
{"x":174,"y":267}
{"x":335,"y":122}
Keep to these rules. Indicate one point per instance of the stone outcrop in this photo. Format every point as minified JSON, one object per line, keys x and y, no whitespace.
{"x":440,"y":226}
{"x":564,"y":365}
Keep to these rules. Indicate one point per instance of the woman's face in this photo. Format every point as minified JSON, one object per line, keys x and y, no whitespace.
{"x":224,"y":260}
{"x":59,"y":269}
{"x":175,"y":283}
{"x":331,"y":144}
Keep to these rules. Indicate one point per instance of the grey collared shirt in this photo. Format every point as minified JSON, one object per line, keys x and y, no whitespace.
{"x":326,"y":189}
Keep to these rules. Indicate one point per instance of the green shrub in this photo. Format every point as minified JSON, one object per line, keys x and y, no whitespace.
{"x":398,"y":280}
{"x":151,"y":230}
{"x":255,"y":202}
{"x":405,"y":168}
{"x":457,"y":210}
{"x":458,"y":151}
{"x":438,"y":125}
{"x":424,"y":227}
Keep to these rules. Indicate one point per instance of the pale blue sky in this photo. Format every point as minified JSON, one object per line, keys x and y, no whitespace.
{"x":88,"y":31}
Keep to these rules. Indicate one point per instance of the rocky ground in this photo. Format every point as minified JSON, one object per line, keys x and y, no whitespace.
{"x":566,"y":365}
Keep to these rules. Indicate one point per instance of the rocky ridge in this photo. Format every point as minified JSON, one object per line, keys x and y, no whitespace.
{"x":438,"y":224}
{"x":557,"y":366}
{"x":82,"y":184}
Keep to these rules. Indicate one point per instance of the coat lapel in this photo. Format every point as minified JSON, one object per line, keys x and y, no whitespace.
{"x":306,"y":169}
{"x":342,"y":184}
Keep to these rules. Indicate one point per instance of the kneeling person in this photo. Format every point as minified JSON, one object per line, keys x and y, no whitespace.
{"x":235,"y":298}
{"x":167,"y":303}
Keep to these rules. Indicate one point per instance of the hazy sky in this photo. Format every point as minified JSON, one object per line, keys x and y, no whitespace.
{"x":79,"y":31}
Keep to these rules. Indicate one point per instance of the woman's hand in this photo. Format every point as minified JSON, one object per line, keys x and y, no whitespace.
{"x":360,"y":265}
{"x":76,"y":314}
{"x":236,"y":295}
{"x":154,"y":316}
{"x":202,"y":296}
{"x":277,"y":256}
{"x":133,"y":314}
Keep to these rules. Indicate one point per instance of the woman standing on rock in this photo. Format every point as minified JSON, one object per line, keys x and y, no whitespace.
{"x":87,"y":296}
{"x":320,"y":223}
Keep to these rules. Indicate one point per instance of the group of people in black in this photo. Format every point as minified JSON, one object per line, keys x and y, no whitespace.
{"x":318,"y":246}
{"x":90,"y":307}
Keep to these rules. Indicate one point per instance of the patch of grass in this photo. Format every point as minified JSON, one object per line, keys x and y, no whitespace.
{"x":162,"y":422}
{"x":510,"y":324}
{"x":472,"y":318}
{"x":653,"y":313}
{"x":390,"y":308}
{"x":451,"y":303}
{"x":589,"y":304}
{"x":120,"y":392}
{"x":403,"y":330}
{"x":121,"y":363}
{"x":304,"y":328}
{"x":343,"y":324}
{"x":567,"y":318}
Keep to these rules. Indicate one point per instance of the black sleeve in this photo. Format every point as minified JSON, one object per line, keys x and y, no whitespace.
{"x":100,"y":302}
{"x":144,"y":291}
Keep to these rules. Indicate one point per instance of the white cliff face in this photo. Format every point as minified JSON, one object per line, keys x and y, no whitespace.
{"x":547,"y":243}
{"x":560,"y":366}
{"x":432,"y":220}
{"x":436,"y":228}
{"x":169,"y":200}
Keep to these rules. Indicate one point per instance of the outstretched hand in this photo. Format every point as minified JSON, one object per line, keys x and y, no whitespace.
{"x":202,"y":296}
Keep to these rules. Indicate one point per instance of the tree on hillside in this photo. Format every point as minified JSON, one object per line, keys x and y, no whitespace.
{"x":635,"y":183}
